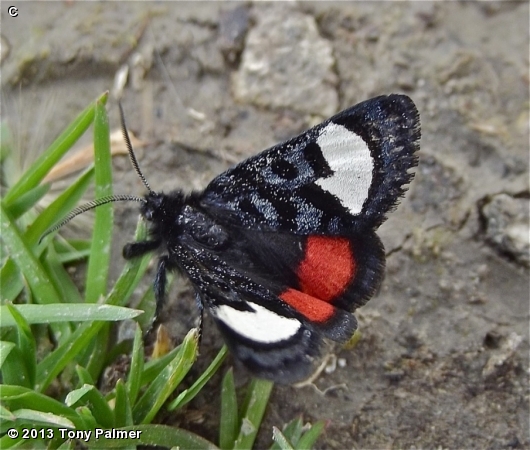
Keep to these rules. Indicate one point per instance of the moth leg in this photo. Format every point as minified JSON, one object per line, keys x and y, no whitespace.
{"x":159,"y":287}
{"x":134,"y":249}
{"x":160,"y":284}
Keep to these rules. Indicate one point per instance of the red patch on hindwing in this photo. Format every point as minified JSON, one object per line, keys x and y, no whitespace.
{"x":327,"y":268}
{"x":324,"y":274}
{"x":314,"y":309}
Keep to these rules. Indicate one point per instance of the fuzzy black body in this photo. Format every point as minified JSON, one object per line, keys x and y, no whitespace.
{"x":281,"y":249}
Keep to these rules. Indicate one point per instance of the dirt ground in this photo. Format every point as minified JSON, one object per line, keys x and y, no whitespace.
{"x":443,"y":358}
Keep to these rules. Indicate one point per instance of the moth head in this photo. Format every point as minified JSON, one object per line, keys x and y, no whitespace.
{"x":152,"y":206}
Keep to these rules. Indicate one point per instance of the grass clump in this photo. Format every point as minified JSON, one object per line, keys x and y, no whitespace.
{"x":54,"y":344}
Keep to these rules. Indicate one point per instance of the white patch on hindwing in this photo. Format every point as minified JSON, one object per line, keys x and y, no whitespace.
{"x":261,"y":325}
{"x":352,"y":164}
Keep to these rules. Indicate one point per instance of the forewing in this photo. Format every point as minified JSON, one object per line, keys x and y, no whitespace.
{"x":341,"y":176}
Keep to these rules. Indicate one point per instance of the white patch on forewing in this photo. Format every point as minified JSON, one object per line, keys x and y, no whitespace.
{"x":260,"y":325}
{"x":349,"y":158}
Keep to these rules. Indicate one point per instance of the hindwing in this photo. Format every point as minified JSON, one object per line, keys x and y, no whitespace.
{"x":275,"y":296}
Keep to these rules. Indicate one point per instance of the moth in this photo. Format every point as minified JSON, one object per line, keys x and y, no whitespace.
{"x":282,"y":248}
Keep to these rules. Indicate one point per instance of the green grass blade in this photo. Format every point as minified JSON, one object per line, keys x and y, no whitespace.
{"x":292,"y":431}
{"x":7,"y":442}
{"x":5,"y":414}
{"x":122,"y":406}
{"x":40,"y":418}
{"x":10,"y":278}
{"x":131,"y":274}
{"x":25,"y":259}
{"x":18,"y":397}
{"x":148,"y":304}
{"x":229,"y":420}
{"x":24,"y":203}
{"x":153,"y":368}
{"x":14,"y":371}
{"x":39,"y":169}
{"x":280,"y":439}
{"x":252,"y":412}
{"x":89,"y":394}
{"x":167,"y":381}
{"x":5,"y":349}
{"x":60,"y":278}
{"x":69,"y":444}
{"x":57,"y":312}
{"x":86,"y":416}
{"x":95,"y":358}
{"x":55,"y":362}
{"x":72,"y":250}
{"x":60,"y":207}
{"x":137,"y":366}
{"x":310,"y":437}
{"x":26,"y":344}
{"x":98,"y":266}
{"x":155,"y":436}
{"x":50,"y":366}
{"x":84,"y":376}
{"x":189,"y":394}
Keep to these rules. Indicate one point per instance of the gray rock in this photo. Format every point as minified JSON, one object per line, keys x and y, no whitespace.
{"x":287,"y":64}
{"x":506,"y":226}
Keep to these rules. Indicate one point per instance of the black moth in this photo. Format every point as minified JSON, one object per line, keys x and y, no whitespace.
{"x":281,"y":249}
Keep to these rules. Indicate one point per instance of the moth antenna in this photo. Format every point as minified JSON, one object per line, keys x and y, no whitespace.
{"x":88,"y":206}
{"x":110,"y":199}
{"x":132,"y":156}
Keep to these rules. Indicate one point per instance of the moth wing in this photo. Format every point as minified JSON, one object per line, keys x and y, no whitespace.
{"x":298,"y":251}
{"x":343,"y":271}
{"x":340,"y":176}
{"x":272,"y":337}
